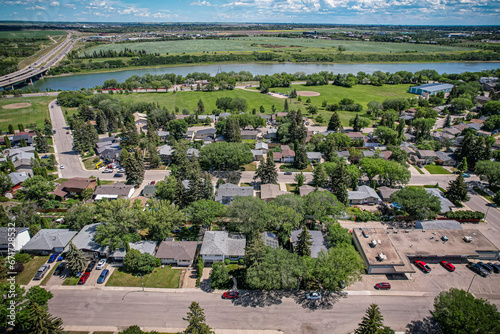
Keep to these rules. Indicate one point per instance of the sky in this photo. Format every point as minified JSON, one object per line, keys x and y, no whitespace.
{"x":404,"y":12}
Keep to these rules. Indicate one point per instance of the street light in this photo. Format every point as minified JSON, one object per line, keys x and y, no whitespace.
{"x":491,"y":206}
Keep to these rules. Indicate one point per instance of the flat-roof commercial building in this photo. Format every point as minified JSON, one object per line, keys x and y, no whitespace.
{"x":431,"y":89}
{"x":387,"y":251}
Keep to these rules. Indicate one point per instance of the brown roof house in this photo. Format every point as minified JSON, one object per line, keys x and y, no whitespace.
{"x":268,"y":192}
{"x":74,"y":187}
{"x":287,"y":155}
{"x":180,"y":253}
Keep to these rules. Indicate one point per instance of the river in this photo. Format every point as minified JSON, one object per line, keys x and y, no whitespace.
{"x":76,"y":82}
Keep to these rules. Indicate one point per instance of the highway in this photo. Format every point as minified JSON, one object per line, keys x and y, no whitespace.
{"x":50,"y":59}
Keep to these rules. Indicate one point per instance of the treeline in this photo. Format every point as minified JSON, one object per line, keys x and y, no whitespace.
{"x":113,"y":54}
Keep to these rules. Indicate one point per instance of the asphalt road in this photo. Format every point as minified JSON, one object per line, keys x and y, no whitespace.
{"x":251,"y":311}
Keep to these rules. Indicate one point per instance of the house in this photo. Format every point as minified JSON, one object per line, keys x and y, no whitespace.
{"x":165,"y":152}
{"x":17,"y":178}
{"x":364,"y":195}
{"x":306,"y":189}
{"x":270,"y":239}
{"x":483,"y":133}
{"x":74,"y":187}
{"x":262,"y":146}
{"x":209,"y":132}
{"x":424,"y":157}
{"x":193,"y":153}
{"x":445,"y":159}
{"x":221,"y":245}
{"x":318,"y":242}
{"x":452,"y":131}
{"x":343,"y":154}
{"x":180,"y":253}
{"x":228,"y":191}
{"x":258,"y":155}
{"x":286,"y":155}
{"x":482,"y":99}
{"x":249,"y":134}
{"x":271,"y":134}
{"x":13,"y":239}
{"x":224,"y":115}
{"x":385,"y":193}
{"x":140,"y":119}
{"x":18,"y":137}
{"x":149,"y":191}
{"x":314,"y":157}
{"x":48,"y":241}
{"x":144,"y":246}
{"x":446,"y":204}
{"x":268,"y":192}
{"x":189,"y":135}
{"x":477,"y":121}
{"x":111,"y":154}
{"x":113,"y":191}
{"x":163,"y":135}
{"x":207,"y":140}
{"x":85,"y":242}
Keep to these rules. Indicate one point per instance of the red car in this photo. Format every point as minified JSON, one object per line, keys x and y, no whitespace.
{"x":448,"y":265}
{"x":230,"y":295}
{"x":424,"y":266}
{"x":84,"y":278}
{"x":383,"y":286}
{"x":153,"y":183}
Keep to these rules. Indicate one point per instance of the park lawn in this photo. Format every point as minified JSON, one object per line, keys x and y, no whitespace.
{"x":189,"y":99}
{"x":71,"y":280}
{"x":30,"y":269}
{"x":436,"y":169}
{"x":160,"y":278}
{"x":35,"y":114}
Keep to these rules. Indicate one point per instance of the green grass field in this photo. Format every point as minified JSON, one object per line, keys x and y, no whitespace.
{"x":30,"y":34}
{"x":36,"y":113}
{"x":30,"y":269}
{"x":160,"y":278}
{"x":246,"y":44}
{"x":435,"y":169}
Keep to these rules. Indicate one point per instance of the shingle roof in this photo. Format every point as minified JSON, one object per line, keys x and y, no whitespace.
{"x":270,"y":191}
{"x":150,"y":189}
{"x":48,"y":239}
{"x":444,"y":156}
{"x":85,"y":239}
{"x":362,"y":193}
{"x":313,"y":155}
{"x":18,"y":177}
{"x":144,"y":246}
{"x":232,"y":190}
{"x":222,"y":242}
{"x":318,"y":242}
{"x":446,"y":204}
{"x":116,"y":189}
{"x":177,"y":250}
{"x":386,"y":192}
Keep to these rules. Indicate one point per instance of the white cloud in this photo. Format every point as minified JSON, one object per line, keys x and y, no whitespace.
{"x":55,"y":3}
{"x":201,"y":3}
{"x":35,"y":8}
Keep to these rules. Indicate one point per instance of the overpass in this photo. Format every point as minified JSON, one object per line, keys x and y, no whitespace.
{"x":40,"y":66}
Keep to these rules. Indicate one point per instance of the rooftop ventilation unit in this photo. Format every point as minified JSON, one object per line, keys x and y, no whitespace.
{"x":382,"y":257}
{"x":373,"y":243}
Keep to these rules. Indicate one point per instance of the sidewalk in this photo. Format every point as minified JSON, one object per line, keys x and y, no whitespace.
{"x":115,"y":330}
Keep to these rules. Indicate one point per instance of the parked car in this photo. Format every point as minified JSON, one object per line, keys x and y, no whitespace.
{"x":493,"y":267}
{"x":153,"y":183}
{"x":101,"y":264}
{"x":118,"y":175}
{"x":90,"y":267}
{"x":288,"y":173}
{"x":121,"y":170}
{"x":41,"y":272}
{"x":448,"y":265}
{"x":67,"y":132}
{"x":53,"y":258}
{"x":103,"y":276}
{"x":479,"y":269}
{"x":84,"y":278}
{"x":230,"y":295}
{"x":466,"y":175}
{"x":60,"y":268}
{"x":496,"y":267}
{"x":62,"y":166}
{"x":383,"y":286}
{"x":424,"y":266}
{"x":107,"y":170}
{"x":486,"y":266}
{"x":313,"y":296}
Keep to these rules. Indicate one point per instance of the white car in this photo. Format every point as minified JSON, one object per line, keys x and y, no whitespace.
{"x":101,"y":264}
{"x":313,"y":296}
{"x":62,"y":166}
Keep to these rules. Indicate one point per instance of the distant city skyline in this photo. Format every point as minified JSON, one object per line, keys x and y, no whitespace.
{"x":373,"y":12}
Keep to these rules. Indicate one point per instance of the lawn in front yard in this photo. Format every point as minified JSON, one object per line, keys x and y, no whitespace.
{"x":160,"y":278}
{"x":418,"y":169}
{"x":251,"y":167}
{"x":291,"y":187}
{"x":291,"y":168}
{"x":436,"y":169}
{"x":30,"y":269}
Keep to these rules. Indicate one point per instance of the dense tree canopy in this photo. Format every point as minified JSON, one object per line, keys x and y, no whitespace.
{"x":417,"y":203}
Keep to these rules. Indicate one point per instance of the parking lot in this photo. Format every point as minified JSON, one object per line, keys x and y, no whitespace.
{"x":437,"y":280}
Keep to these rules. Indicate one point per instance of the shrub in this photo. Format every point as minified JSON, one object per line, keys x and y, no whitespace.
{"x":364,"y":216}
{"x":22,"y":258}
{"x":464,"y":214}
{"x":4,"y":199}
{"x":227,"y":261}
{"x":18,"y":268}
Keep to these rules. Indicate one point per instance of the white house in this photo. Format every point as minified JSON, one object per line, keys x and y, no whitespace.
{"x":220,"y":245}
{"x":20,"y":236}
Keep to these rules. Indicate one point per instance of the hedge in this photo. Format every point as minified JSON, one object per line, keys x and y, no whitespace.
{"x":464,"y":215}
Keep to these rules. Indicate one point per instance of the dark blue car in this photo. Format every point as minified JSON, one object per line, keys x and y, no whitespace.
{"x":103,"y":276}
{"x":53,"y":257}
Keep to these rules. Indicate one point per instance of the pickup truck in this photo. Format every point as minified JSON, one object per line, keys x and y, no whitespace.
{"x":41,"y":272}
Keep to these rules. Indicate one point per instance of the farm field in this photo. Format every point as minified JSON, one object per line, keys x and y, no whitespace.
{"x":36,"y":113}
{"x":246,"y":44}
{"x":30,"y":34}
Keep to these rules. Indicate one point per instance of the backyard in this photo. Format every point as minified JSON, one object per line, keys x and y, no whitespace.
{"x":160,"y":278}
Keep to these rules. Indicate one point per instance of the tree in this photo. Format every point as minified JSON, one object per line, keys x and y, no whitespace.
{"x":304,"y":243}
{"x":301,"y":160}
{"x":135,"y":169}
{"x":373,"y":322}
{"x":177,"y":128}
{"x":11,"y":129}
{"x":38,"y":295}
{"x":137,"y":263}
{"x":334,"y":123}
{"x":459,"y":312}
{"x":78,"y":216}
{"x":460,"y":105}
{"x":75,"y":259}
{"x":374,"y":106}
{"x":255,"y":250}
{"x":337,"y":235}
{"x":161,"y":218}
{"x":300,"y":179}
{"x":196,"y":319}
{"x":387,"y":135}
{"x":358,"y":123}
{"x":166,"y":189}
{"x":471,"y":148}
{"x":37,"y":188}
{"x":232,"y":132}
{"x":208,"y":187}
{"x":225,"y":156}
{"x":200,"y":108}
{"x":5,"y":183}
{"x":101,"y":122}
{"x":457,"y":191}
{"x":42,"y":146}
{"x":417,"y":203}
{"x":40,"y":321}
{"x":488,"y":171}
{"x":249,"y":215}
{"x":267,"y":171}
{"x":339,"y":180}
{"x":8,"y":144}
{"x":219,"y":276}
{"x":320,"y":178}
{"x":447,"y":121}
{"x":204,"y":212}
{"x":321,"y":204}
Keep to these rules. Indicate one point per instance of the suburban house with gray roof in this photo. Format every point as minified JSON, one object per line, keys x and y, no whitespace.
{"x":48,"y":241}
{"x":318,"y":242}
{"x":268,"y":192}
{"x":315,"y":157}
{"x":385,"y":193}
{"x":445,"y":159}
{"x":446,"y":204}
{"x":17,"y":178}
{"x":20,"y":236}
{"x":85,"y":242}
{"x":165,"y":152}
{"x":220,"y":245}
{"x":227,"y":192}
{"x":149,"y":191}
{"x":180,"y":253}
{"x":364,"y":195}
{"x":113,"y":191}
{"x":144,"y":246}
